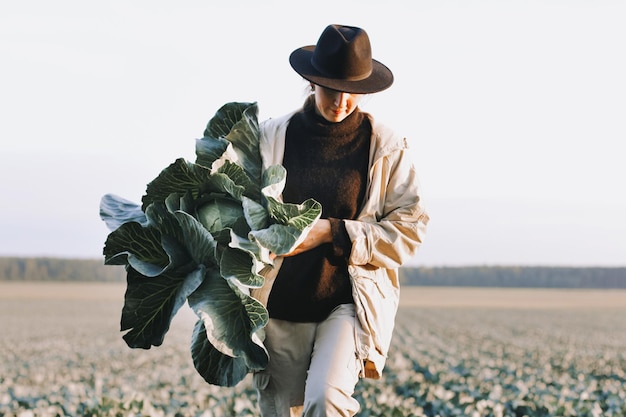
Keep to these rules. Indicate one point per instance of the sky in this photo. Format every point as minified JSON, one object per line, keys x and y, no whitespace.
{"x":515,"y":112}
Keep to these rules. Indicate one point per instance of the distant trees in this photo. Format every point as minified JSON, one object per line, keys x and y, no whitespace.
{"x":58,"y":269}
{"x":63,"y":269}
{"x":516,"y":276}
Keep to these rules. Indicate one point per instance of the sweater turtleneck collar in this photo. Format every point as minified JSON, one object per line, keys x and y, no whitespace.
{"x":321,"y":127}
{"x":315,"y":137}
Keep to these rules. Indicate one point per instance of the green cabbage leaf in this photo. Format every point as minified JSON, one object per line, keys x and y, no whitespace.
{"x":202,"y":235}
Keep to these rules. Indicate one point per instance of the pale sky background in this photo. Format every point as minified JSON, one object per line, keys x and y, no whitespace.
{"x":515,"y":112}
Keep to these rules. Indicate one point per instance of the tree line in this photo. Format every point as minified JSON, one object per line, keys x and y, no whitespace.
{"x":59,"y":269}
{"x":516,"y":276}
{"x":66,"y":269}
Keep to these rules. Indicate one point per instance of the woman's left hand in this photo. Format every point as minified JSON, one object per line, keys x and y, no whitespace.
{"x":319,"y":234}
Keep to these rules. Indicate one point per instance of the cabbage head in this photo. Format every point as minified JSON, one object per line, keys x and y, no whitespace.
{"x":202,"y":235}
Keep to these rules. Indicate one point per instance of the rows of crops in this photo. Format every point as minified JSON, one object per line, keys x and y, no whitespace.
{"x":67,"y":358}
{"x":505,"y":363}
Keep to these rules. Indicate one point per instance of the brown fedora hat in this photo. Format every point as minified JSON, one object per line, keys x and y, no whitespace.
{"x":342,"y":61}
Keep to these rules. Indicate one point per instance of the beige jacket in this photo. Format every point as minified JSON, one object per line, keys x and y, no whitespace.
{"x":389,"y":229}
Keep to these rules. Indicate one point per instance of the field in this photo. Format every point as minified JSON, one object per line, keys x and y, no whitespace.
{"x":457,"y":352}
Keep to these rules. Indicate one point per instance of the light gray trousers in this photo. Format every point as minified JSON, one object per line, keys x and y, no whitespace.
{"x":313,"y":367}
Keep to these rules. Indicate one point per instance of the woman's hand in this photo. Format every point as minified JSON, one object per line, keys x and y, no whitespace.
{"x":319,"y":234}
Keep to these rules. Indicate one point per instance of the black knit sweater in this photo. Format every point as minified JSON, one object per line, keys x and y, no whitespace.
{"x":328,"y":162}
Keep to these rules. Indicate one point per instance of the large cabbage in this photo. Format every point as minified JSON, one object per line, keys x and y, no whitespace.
{"x":202,"y":235}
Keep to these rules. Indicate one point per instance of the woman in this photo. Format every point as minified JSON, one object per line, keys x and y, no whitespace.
{"x":332,"y":301}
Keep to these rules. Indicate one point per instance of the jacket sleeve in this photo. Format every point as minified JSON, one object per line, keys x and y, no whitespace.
{"x":393,"y":222}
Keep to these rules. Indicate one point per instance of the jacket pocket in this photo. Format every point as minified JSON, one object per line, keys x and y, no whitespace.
{"x":377,"y":304}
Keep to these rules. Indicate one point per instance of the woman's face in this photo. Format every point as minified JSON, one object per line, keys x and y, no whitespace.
{"x":333,"y":105}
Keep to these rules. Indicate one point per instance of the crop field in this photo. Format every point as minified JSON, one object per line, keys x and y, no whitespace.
{"x":456,"y":352}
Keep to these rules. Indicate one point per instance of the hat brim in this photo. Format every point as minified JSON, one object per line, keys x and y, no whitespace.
{"x":380,"y":79}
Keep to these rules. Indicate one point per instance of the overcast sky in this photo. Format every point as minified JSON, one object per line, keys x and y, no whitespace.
{"x":515,"y":112}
